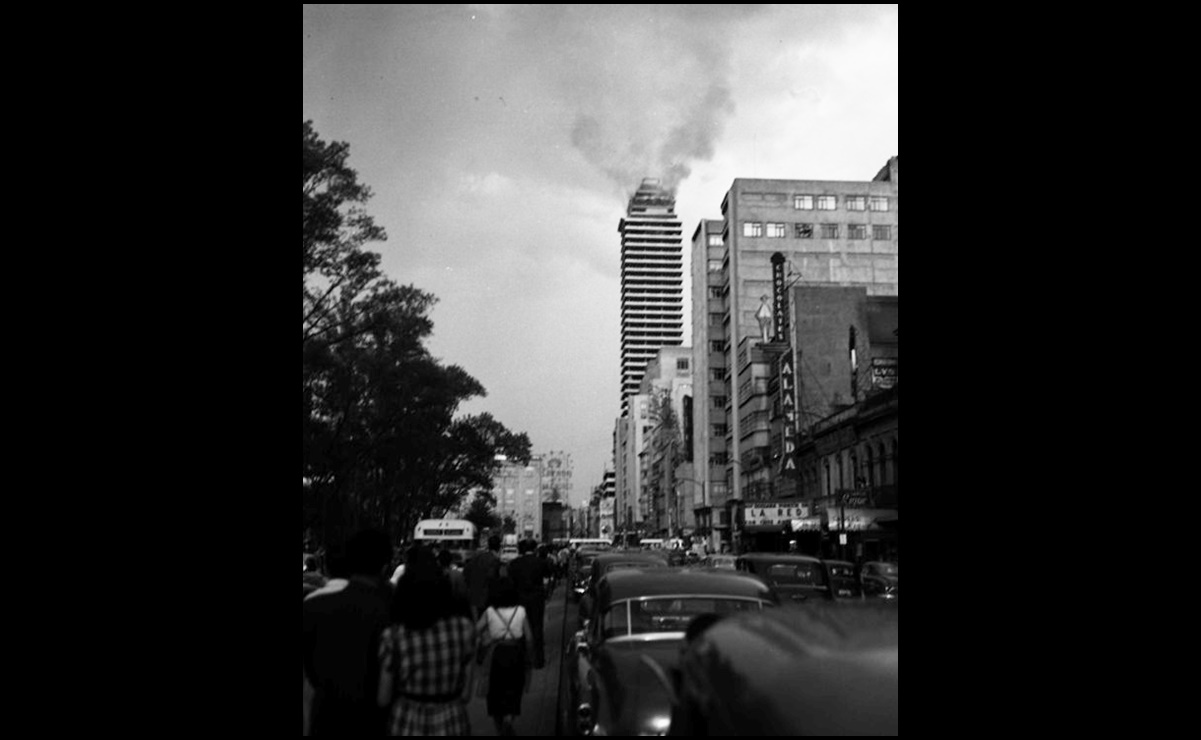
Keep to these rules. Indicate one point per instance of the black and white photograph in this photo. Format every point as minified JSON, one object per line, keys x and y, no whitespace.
{"x":601,"y":370}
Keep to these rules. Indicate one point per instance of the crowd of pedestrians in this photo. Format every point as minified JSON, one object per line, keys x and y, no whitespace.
{"x":401,"y":651}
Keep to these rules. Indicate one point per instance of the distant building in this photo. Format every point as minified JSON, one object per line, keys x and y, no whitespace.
{"x":556,"y":477}
{"x":518,"y":490}
{"x":666,"y":385}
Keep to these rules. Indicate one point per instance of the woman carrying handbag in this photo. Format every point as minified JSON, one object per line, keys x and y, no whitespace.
{"x":506,"y":654}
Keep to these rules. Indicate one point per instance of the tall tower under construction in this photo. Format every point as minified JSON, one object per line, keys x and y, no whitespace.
{"x":652,"y":282}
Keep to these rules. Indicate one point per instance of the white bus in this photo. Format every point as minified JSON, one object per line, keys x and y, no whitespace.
{"x":590,"y":543}
{"x":457,"y":535}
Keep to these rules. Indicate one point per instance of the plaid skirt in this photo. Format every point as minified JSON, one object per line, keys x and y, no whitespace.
{"x":411,"y":717}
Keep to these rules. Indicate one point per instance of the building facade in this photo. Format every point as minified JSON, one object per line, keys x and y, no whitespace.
{"x":666,"y":385}
{"x":605,"y":508}
{"x":518,"y":492}
{"x":652,"y":282}
{"x":775,"y":235}
{"x":556,"y":477}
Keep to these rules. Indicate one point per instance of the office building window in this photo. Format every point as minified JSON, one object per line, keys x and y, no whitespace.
{"x":856,"y":231}
{"x":882,"y":233}
{"x":803,"y":203}
{"x":714,"y":265}
{"x":715,"y":319}
{"x":681,"y":363}
{"x":719,"y":430}
{"x":804,"y":231}
{"x":715,"y":240}
{"x":856,"y":202}
{"x":719,"y":402}
{"x":752,"y":228}
{"x":775,"y":231}
{"x":879,"y":203}
{"x":826,"y":202}
{"x":717,"y":373}
{"x":715,"y":291}
{"x":716,"y":345}
{"x":829,"y":231}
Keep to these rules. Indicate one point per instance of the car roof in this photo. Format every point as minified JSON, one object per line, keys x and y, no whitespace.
{"x":632,"y":556}
{"x":848,"y":647}
{"x":773,"y":557}
{"x":840,"y":562}
{"x":635,"y":583}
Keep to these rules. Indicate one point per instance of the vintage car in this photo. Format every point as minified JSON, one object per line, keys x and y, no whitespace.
{"x":608,"y":562}
{"x":829,"y":669}
{"x":795,"y":577}
{"x":618,"y":664}
{"x":581,"y":572}
{"x":844,"y":581}
{"x":879,"y":579}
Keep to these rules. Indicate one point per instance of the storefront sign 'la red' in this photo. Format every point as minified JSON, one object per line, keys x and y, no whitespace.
{"x":768,"y":512}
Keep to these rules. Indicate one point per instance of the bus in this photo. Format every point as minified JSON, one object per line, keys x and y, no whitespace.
{"x":456,"y":535}
{"x":590,"y":543}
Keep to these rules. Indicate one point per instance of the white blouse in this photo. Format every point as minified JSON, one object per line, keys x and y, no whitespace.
{"x":503,"y":623}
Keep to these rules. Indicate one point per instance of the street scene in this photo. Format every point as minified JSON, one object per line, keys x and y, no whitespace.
{"x":600,"y":370}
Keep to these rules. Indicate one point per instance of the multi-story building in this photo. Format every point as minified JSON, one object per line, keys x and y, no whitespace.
{"x":629,"y":440}
{"x":556,"y":477}
{"x":518,"y":490}
{"x":652,"y":280}
{"x":711,"y":394}
{"x":605,"y":509}
{"x":666,"y":385}
{"x":776,"y":234}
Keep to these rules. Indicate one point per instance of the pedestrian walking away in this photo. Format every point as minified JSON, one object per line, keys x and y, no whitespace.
{"x":340,"y":635}
{"x":481,"y":572}
{"x":426,"y":655}
{"x":506,"y":656}
{"x":528,"y":572}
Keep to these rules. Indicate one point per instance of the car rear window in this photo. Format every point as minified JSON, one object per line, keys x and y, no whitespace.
{"x":673,"y":615}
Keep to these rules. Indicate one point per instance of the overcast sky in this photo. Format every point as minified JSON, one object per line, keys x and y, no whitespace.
{"x":502,"y":143}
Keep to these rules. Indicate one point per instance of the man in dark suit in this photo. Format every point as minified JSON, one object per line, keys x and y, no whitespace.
{"x":340,"y":642}
{"x":481,"y":572}
{"x":528,"y":572}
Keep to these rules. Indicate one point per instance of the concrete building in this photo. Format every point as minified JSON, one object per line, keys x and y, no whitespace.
{"x":518,"y":490}
{"x":666,"y":385}
{"x":652,"y":279}
{"x":629,"y":441}
{"x":605,"y":521}
{"x":775,"y":235}
{"x":556,"y":477}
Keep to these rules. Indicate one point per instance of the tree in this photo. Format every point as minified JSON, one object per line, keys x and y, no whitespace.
{"x":481,"y":512}
{"x":337,"y":270}
{"x":382,"y":446}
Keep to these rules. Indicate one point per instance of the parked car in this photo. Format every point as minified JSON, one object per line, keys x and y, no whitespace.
{"x":581,"y":573}
{"x":844,"y":581}
{"x":724,"y":562}
{"x":619,"y":664}
{"x":826,"y":670}
{"x":608,"y":562}
{"x":879,"y":579}
{"x":795,"y":577}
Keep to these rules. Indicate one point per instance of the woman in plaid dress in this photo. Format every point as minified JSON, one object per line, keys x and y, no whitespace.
{"x":427,"y":653}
